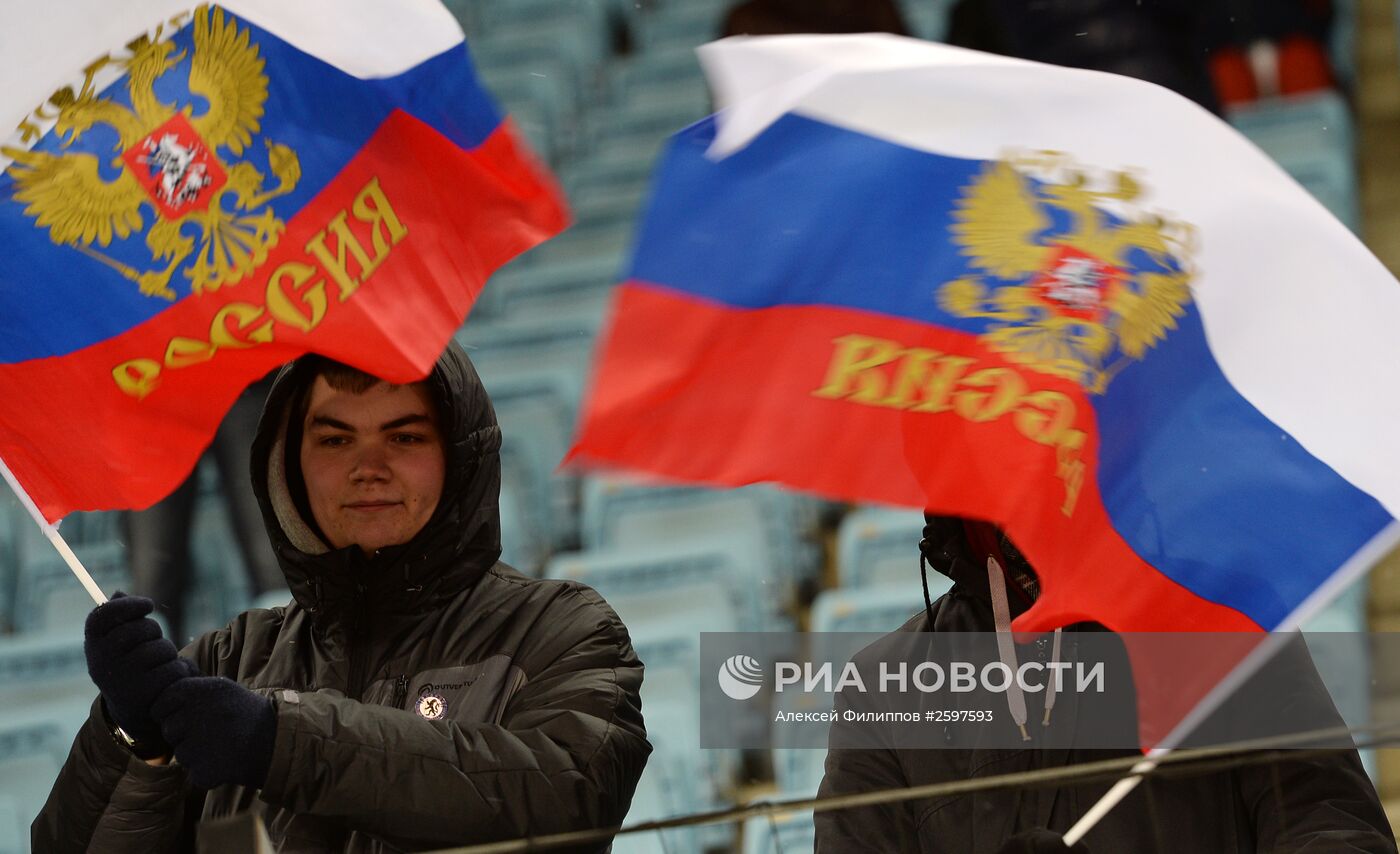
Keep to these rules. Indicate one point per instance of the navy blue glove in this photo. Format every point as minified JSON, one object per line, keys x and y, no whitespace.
{"x":131,"y":664}
{"x":221,"y":731}
{"x":1040,"y":841}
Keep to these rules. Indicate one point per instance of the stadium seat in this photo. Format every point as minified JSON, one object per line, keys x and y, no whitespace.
{"x":798,"y":770}
{"x":680,"y":25}
{"x":782,"y":833}
{"x":14,"y":833}
{"x":927,"y":19}
{"x":219,"y":587}
{"x":536,"y":422}
{"x":874,"y":609}
{"x":47,"y":596}
{"x":759,"y":526}
{"x":661,"y":571}
{"x":566,"y":290}
{"x":673,"y":783}
{"x":876,"y":545}
{"x":666,"y":67}
{"x":1312,"y":138}
{"x":33,"y":744}
{"x":691,"y":779}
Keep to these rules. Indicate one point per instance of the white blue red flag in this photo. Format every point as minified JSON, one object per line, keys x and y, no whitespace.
{"x":1071,"y":303}
{"x":196,"y":194}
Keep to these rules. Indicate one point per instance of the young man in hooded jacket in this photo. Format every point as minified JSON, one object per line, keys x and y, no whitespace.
{"x":415,"y":694}
{"x":1321,"y":803}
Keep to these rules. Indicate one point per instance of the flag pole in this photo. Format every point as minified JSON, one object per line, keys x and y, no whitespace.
{"x":54,"y":537}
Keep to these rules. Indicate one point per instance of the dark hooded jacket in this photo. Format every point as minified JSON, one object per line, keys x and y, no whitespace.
{"x":541,"y":726}
{"x":1324,"y":803}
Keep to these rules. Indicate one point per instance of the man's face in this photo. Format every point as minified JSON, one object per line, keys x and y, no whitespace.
{"x":373,"y":463}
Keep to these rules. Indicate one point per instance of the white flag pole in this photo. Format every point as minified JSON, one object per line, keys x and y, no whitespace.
{"x":54,"y":537}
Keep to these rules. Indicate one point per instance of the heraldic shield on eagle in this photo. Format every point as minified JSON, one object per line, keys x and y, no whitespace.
{"x":208,"y":209}
{"x":1074,"y":281}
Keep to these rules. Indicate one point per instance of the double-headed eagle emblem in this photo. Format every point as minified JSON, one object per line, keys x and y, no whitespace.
{"x":167,"y":160}
{"x":1073,"y":281}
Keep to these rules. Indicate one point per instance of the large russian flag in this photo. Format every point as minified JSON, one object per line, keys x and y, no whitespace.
{"x":1071,"y":303}
{"x":194,"y":195}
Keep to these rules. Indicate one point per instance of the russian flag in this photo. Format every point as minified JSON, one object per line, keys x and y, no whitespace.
{"x":196,"y":194}
{"x":1071,"y":303}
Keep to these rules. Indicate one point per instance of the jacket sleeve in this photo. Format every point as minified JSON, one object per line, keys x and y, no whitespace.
{"x":105,"y":799}
{"x":1320,"y":802}
{"x":860,"y":760}
{"x":882,"y":827}
{"x":566,"y":756}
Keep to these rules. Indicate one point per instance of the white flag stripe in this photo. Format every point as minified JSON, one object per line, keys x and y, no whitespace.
{"x":1300,"y":316}
{"x":45,"y":46}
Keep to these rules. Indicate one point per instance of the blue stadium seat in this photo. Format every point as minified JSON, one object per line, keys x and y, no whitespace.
{"x":876,"y":545}
{"x":607,"y":169}
{"x":1312,"y":138}
{"x":564,"y":290}
{"x":1304,"y":122}
{"x":665,"y":629}
{"x":680,"y":25}
{"x":531,"y":349}
{"x":1343,"y":657}
{"x":927,"y":19}
{"x":33,"y":744}
{"x":874,"y":609}
{"x":656,"y":113}
{"x":798,"y":770}
{"x":761,"y":527}
{"x":219,"y":587}
{"x":535,"y":425}
{"x":662,"y":570}
{"x":14,"y":833}
{"x":47,"y":596}
{"x":784,"y":833}
{"x":667,"y":68}
{"x":673,"y":783}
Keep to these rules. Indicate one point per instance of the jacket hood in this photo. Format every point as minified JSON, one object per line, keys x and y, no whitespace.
{"x":959,"y":548}
{"x":458,"y":544}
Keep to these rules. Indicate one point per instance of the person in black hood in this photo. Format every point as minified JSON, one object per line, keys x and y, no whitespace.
{"x":1321,"y":802}
{"x":415,"y":694}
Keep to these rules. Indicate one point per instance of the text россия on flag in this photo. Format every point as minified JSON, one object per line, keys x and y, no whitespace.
{"x":1068,"y":302}
{"x":196,"y":194}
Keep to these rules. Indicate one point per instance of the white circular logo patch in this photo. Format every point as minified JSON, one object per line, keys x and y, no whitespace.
{"x":431,"y":706}
{"x":740,"y":677}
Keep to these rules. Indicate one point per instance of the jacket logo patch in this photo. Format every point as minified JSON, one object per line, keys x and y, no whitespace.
{"x":431,"y":706}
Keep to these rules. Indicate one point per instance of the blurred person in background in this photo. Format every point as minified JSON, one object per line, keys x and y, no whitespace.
{"x":416,"y":693}
{"x":1322,"y":802}
{"x":158,"y":538}
{"x":1162,"y":41}
{"x":779,"y":17}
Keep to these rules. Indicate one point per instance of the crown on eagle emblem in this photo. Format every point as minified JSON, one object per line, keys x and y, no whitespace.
{"x":167,"y":159}
{"x":1074,"y":281}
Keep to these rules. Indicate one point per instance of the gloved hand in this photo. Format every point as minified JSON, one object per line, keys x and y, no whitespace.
{"x":131,"y":664}
{"x":221,"y":731}
{"x":1040,"y":841}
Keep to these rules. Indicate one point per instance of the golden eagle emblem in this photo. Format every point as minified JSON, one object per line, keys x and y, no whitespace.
{"x":1074,"y":280}
{"x":165,"y":159}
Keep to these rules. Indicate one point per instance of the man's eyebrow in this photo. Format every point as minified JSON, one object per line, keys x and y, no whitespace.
{"x":416,"y":418}
{"x":327,"y":421}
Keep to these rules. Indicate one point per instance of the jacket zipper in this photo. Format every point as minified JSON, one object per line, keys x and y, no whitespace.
{"x":400,"y":692}
{"x":357,"y":642}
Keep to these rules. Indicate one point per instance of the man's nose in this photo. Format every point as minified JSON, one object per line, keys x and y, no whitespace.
{"x":371,"y":464}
